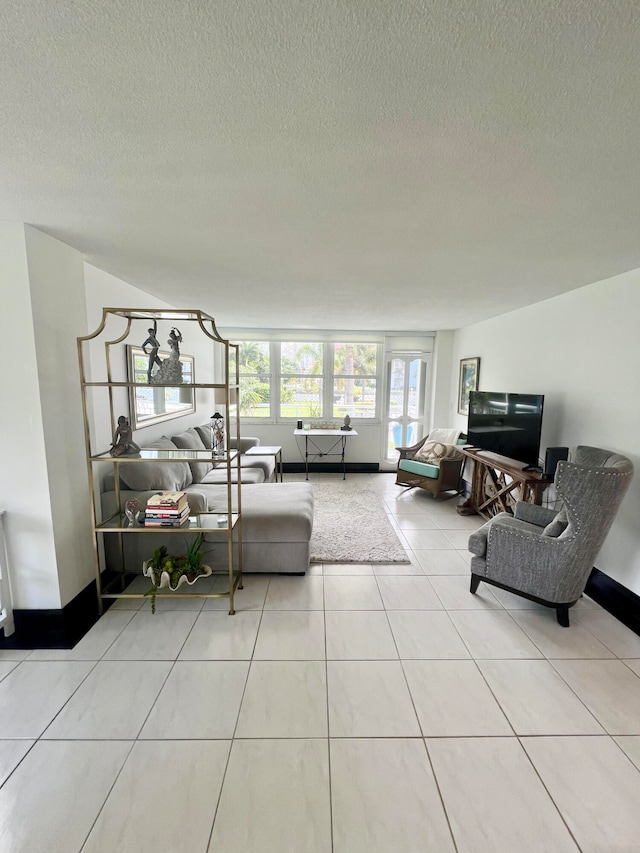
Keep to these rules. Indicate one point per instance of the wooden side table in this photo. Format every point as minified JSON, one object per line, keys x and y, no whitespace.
{"x":498,"y":483}
{"x":268,"y":450}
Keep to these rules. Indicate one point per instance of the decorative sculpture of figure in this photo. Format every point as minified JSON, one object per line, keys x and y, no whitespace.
{"x":154,"y":343}
{"x":175,"y":339}
{"x":170,"y":372}
{"x":123,"y":443}
{"x":347,"y":424}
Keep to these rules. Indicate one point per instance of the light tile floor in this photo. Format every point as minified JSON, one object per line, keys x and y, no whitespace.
{"x":358,"y":708}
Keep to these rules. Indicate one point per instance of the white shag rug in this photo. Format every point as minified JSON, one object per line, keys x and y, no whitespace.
{"x":351,"y":526}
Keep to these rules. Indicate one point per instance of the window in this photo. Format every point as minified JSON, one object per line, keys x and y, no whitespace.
{"x":309,"y":380}
{"x":354,"y":380}
{"x":255,"y":379}
{"x":301,"y":379}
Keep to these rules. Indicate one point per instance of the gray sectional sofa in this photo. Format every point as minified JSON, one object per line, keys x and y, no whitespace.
{"x":277,"y":518}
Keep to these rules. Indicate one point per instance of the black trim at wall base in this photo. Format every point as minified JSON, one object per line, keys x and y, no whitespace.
{"x":332,"y":467}
{"x":615,"y":598}
{"x":54,"y":629}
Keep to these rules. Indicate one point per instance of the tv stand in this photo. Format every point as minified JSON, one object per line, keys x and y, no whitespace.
{"x":498,"y":483}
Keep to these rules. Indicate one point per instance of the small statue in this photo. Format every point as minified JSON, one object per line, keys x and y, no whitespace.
{"x":217,"y":434}
{"x":175,"y":339}
{"x":154,"y":343}
{"x":123,"y":443}
{"x":346,"y":427}
{"x":170,"y":372}
{"x":132,"y":511}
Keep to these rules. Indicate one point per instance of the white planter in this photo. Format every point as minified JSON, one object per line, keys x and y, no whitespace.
{"x":165,"y":580}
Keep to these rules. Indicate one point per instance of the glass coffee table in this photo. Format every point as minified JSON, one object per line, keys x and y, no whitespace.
{"x":268,"y":450}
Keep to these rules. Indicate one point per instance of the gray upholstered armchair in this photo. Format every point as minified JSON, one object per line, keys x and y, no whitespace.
{"x":545,"y":555}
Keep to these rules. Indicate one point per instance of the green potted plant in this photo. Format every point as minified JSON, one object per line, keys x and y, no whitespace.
{"x":164,"y":569}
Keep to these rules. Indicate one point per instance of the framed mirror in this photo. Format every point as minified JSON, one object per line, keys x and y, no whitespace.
{"x":151,"y":404}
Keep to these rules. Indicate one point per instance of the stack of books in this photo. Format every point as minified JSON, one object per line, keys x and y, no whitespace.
{"x":170,"y":509}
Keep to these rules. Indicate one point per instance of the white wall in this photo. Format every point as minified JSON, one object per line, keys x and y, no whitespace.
{"x":582,"y":351}
{"x":56,"y":282}
{"x":441,"y":380}
{"x":24,"y":486}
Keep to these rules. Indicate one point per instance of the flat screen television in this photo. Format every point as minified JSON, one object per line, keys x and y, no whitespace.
{"x":506,"y":424}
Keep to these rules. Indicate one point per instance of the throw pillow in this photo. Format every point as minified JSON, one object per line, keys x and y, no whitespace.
{"x":433,"y":451}
{"x":556,"y":527}
{"x":190,"y":440}
{"x":157,"y":475}
{"x":204,"y":431}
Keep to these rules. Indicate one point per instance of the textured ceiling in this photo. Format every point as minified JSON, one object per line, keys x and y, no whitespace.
{"x":354,"y":164}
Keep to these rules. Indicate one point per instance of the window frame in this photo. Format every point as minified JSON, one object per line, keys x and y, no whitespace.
{"x":282,"y":376}
{"x":242,"y":374}
{"x":328,"y":377}
{"x":356,"y":377}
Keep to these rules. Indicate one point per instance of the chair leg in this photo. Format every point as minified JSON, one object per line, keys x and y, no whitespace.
{"x":562,"y":615}
{"x":475,"y":583}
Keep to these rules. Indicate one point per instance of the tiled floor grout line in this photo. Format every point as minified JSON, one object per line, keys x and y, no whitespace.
{"x":326,"y":676}
{"x":69,"y":698}
{"x":235,"y":728}
{"x":108,"y":794}
{"x":549,"y":794}
{"x":439,"y":790}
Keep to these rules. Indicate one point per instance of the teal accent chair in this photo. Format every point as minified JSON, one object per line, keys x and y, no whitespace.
{"x":446,"y":476}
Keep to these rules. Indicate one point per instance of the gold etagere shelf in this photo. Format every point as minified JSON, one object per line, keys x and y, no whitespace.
{"x":111,"y":360}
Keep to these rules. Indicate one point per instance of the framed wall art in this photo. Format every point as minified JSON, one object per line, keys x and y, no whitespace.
{"x":151,"y":402}
{"x":469,"y":373}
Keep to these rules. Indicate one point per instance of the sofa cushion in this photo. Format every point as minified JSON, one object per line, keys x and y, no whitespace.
{"x":247,"y":475}
{"x":271,"y":512}
{"x":556,"y":527}
{"x":190,"y":440}
{"x":158,"y":475}
{"x":267,"y":464}
{"x":204,"y":431}
{"x":433,"y":451}
{"x":423,"y":469}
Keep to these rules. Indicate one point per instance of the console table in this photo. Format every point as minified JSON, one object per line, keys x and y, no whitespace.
{"x":498,"y":483}
{"x":339,"y":438}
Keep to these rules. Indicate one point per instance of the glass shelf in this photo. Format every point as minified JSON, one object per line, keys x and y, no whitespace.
{"x":168,"y":456}
{"x":206,"y":522}
{"x":171,"y":314}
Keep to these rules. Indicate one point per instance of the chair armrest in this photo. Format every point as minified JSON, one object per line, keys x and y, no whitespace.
{"x":536,"y":564}
{"x":450,"y":465}
{"x":450,"y":471}
{"x":478,"y":540}
{"x":534,"y":514}
{"x":405,"y":452}
{"x":410,"y":451}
